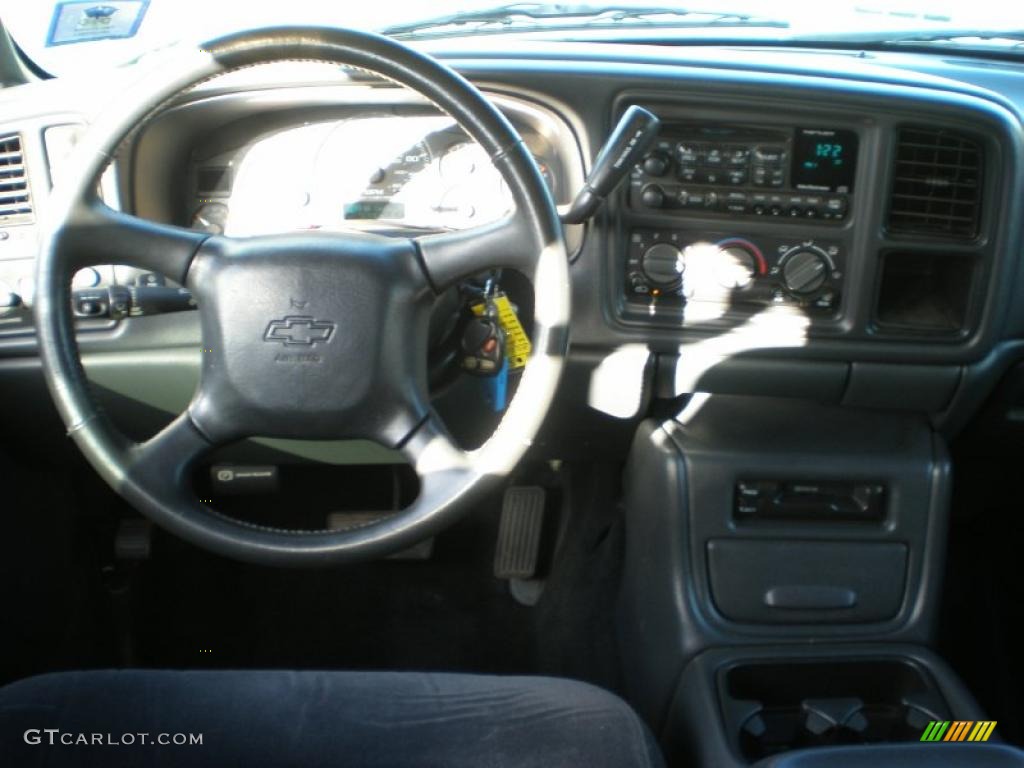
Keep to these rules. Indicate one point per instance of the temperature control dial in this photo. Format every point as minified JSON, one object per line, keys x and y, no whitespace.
{"x":663,"y":265}
{"x":737,"y":264}
{"x":805,"y":270}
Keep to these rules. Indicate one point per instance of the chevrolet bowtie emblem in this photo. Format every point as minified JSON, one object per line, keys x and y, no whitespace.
{"x":299,"y":330}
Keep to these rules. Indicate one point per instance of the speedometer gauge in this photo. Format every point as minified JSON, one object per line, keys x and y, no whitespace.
{"x":389,"y":180}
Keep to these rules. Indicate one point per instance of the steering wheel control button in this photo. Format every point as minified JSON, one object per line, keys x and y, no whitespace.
{"x":91,"y":303}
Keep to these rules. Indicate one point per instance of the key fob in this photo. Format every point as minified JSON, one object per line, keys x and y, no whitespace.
{"x":496,"y":388}
{"x":483,"y":346}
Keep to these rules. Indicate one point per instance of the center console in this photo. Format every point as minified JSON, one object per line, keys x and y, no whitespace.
{"x":781,"y":579}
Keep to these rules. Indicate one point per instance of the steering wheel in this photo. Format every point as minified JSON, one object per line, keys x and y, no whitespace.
{"x":366,"y":297}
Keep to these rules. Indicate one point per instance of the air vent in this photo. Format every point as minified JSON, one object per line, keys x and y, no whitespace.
{"x":937,"y":186}
{"x":15,"y":200}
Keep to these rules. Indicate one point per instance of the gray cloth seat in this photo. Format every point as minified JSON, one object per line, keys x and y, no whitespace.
{"x":260,"y":719}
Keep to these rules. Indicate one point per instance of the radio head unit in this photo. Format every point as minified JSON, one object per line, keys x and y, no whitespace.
{"x":744,"y":170}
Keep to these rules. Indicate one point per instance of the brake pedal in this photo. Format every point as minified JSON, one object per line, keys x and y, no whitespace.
{"x":519,"y":532}
{"x":134,"y":539}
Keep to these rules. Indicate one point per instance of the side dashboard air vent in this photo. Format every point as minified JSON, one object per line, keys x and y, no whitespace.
{"x":936,"y":187}
{"x":15,"y":198}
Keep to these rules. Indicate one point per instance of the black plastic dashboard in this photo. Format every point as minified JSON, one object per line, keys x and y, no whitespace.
{"x":768,"y":276}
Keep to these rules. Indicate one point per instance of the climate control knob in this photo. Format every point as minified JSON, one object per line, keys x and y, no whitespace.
{"x":653,"y":196}
{"x":663,"y":265}
{"x":735,"y":266}
{"x":804,"y":271}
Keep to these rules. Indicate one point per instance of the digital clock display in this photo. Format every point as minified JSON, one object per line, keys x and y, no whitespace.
{"x":824,"y":159}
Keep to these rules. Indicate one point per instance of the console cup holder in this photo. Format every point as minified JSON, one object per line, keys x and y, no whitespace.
{"x":772,"y":707}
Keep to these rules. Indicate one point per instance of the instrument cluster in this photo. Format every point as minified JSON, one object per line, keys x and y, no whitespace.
{"x":368,"y":171}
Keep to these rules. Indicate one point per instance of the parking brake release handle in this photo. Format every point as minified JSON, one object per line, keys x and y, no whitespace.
{"x":631,"y":139}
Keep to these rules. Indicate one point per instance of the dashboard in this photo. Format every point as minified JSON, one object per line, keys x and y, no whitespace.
{"x":812,"y":224}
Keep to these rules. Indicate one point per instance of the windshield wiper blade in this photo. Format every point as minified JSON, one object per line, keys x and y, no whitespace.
{"x":1012,"y":37}
{"x":534,"y":15}
{"x":911,"y":38}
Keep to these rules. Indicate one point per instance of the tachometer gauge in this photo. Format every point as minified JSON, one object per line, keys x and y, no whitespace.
{"x":210,"y":217}
{"x":461,"y":161}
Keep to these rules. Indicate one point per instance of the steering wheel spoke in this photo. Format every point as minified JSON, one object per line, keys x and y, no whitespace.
{"x":451,"y":256}
{"x":97,"y":234}
{"x":431,"y":450}
{"x":165,"y":459}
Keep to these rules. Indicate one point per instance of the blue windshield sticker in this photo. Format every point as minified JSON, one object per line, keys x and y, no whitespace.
{"x":83,"y":21}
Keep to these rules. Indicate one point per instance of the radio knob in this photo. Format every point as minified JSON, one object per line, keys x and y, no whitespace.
{"x":663,"y":265}
{"x":657,"y":164}
{"x":653,"y":196}
{"x":804,"y":272}
{"x":735,"y":267}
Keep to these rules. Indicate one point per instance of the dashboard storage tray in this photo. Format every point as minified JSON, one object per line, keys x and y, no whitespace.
{"x":792,"y":582}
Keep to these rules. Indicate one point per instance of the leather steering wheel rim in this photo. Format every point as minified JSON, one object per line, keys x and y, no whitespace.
{"x":79,"y":230}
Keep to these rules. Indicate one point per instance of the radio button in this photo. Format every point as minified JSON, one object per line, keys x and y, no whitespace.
{"x":714,"y":157}
{"x":688,"y":173}
{"x":836,"y":205}
{"x":737,"y":156}
{"x":737,"y":178}
{"x":773,"y":156}
{"x":693,"y":199}
{"x":688,"y":153}
{"x":734,"y":202}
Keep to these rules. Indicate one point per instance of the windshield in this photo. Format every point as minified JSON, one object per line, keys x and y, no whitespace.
{"x":76,"y":36}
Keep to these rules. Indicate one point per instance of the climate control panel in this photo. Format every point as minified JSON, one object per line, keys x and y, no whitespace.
{"x":667,"y":271}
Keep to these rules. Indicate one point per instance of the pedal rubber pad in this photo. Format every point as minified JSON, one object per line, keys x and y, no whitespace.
{"x":519,"y":533}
